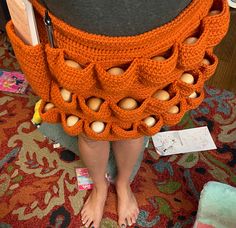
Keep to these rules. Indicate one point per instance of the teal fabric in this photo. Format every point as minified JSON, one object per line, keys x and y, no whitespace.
{"x":217,"y":205}
{"x":56,"y":133}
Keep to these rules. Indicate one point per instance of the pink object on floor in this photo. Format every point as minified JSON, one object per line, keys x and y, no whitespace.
{"x":83,"y":178}
{"x":13,"y":82}
{"x":202,"y":225}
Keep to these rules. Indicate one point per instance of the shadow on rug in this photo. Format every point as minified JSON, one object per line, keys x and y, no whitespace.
{"x":38,"y":184}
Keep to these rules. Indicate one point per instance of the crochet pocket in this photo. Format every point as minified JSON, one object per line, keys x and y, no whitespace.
{"x":158,"y":106}
{"x":195,"y":102}
{"x":78,"y":81}
{"x":74,"y":130}
{"x":52,"y":115}
{"x":129,"y":115}
{"x":92,"y":134}
{"x":117,"y":84}
{"x":187,"y":89}
{"x":192,"y":48}
{"x":32,"y":62}
{"x":146,"y":130}
{"x":103,"y":114}
{"x":209,"y":69}
{"x":174,"y":118}
{"x":217,"y":23}
{"x":57,"y":99}
{"x":154,"y":70}
{"x":124,"y":131}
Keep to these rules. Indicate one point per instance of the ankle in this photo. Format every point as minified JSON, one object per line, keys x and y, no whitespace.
{"x":101,"y":185}
{"x":121,"y":182}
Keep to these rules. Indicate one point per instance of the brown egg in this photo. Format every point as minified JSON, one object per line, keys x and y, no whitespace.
{"x":72,"y":120}
{"x":187,"y":78}
{"x":159,"y":58}
{"x":73,"y":64}
{"x":150,"y":121}
{"x":162,"y":95}
{"x":213,"y":12}
{"x":174,"y":109}
{"x":48,"y":106}
{"x":115,"y":71}
{"x":206,"y":62}
{"x":98,"y":126}
{"x":193,"y":95}
{"x":191,"y":40}
{"x":94,"y":103}
{"x":66,"y":95}
{"x":128,"y":103}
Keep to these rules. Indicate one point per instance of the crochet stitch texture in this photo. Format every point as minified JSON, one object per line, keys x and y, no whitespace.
{"x":47,"y":72}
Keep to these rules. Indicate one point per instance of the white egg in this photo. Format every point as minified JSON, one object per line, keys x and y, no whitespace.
{"x":187,"y":78}
{"x":193,"y":95}
{"x":174,"y":109}
{"x":191,"y":40}
{"x":150,"y":121}
{"x":98,"y":126}
{"x":66,"y":95}
{"x":213,"y":12}
{"x":73,"y":64}
{"x":48,"y":106}
{"x":206,"y":62}
{"x":159,"y":58}
{"x":72,"y":120}
{"x":128,"y":103}
{"x":115,"y":71}
{"x":94,"y":103}
{"x":162,"y":95}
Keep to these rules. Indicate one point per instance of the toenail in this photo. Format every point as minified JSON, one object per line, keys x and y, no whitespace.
{"x":123,"y":226}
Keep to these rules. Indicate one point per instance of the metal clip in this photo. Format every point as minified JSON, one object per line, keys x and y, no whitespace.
{"x":49,"y":28}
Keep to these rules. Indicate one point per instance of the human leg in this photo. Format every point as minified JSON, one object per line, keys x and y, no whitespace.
{"x":126,"y":153}
{"x":95,"y":155}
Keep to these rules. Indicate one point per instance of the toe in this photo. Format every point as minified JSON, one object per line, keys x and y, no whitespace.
{"x":133,"y":218}
{"x":89,"y":221}
{"x":122,"y":223}
{"x":129,"y":220}
{"x":85,"y":219}
{"x":137,"y":214}
{"x":82,"y":212}
{"x":83,"y":216}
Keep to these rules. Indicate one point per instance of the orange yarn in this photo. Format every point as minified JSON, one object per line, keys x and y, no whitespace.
{"x":47,"y":72}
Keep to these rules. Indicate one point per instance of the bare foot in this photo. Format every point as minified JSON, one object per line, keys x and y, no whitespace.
{"x":92,"y":211}
{"x":127,"y":205}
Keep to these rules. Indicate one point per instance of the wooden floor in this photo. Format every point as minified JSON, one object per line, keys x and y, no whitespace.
{"x":225,"y":76}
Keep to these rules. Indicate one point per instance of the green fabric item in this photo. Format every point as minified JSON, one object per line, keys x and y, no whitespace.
{"x":217,"y":206}
{"x":56,"y":133}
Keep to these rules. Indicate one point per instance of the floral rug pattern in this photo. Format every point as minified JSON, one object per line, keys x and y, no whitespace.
{"x":38,"y":184}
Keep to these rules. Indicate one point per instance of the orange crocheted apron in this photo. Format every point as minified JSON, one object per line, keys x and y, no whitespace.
{"x":143,"y":76}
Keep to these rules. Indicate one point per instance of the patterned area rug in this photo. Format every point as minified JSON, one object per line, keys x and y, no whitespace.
{"x":38,"y":185}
